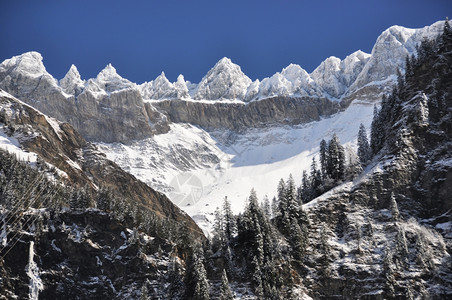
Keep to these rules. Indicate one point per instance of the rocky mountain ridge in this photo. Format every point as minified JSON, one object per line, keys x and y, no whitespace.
{"x":110,"y":108}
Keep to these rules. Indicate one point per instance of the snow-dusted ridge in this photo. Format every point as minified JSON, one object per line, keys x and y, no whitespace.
{"x":333,"y":78}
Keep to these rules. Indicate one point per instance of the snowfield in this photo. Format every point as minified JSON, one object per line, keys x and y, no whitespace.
{"x":197,"y":169}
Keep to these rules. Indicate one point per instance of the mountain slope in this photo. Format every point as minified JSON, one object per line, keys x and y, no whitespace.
{"x":83,"y":165}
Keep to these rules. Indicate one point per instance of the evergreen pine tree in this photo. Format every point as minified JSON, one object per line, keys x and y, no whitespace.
{"x":323,"y":157}
{"x":297,"y":240}
{"x":257,"y":278}
{"x":255,"y":232}
{"x":225,"y":291}
{"x":291,"y":199}
{"x":375,"y":130}
{"x":197,"y":277}
{"x":175,"y":276}
{"x":230,"y":226}
{"x":266,"y":208}
{"x":274,"y":206}
{"x":218,"y":232}
{"x":306,"y":192}
{"x":336,"y":159}
{"x":316,"y":179}
{"x":446,"y":38}
{"x":363,"y":146}
{"x":281,"y":198}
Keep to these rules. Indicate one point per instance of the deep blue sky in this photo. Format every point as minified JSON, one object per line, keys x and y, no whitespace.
{"x":143,"y":38}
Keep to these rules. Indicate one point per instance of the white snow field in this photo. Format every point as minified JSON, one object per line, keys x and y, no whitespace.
{"x":197,"y":170}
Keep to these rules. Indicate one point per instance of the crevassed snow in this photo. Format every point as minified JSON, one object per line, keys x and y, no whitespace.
{"x":197,"y":169}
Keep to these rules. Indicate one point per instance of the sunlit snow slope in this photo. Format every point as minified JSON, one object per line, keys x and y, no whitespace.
{"x":197,"y":169}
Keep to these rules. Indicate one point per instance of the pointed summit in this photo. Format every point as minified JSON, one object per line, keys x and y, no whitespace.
{"x":224,"y":81}
{"x":72,"y":82}
{"x":72,"y":74}
{"x":161,"y":77}
{"x":110,"y":81}
{"x":181,"y":87}
{"x":224,"y":61}
{"x":295,"y":74}
{"x":162,"y":83}
{"x":108,"y":72}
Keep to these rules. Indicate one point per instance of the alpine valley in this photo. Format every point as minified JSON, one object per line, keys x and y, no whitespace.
{"x":334,"y":184}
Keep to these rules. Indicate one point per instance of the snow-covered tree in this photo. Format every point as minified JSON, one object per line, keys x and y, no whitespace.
{"x":354,"y":167}
{"x":323,"y":157}
{"x":363,"y":146}
{"x":316,"y":179}
{"x":197,"y":277}
{"x":446,"y":37}
{"x":297,"y":240}
{"x":175,"y":277}
{"x":266,"y":207}
{"x":336,"y":159}
{"x":225,"y":290}
{"x":291,"y":199}
{"x":218,"y":230}
{"x":306,"y":190}
{"x":422,"y":110}
{"x":281,"y":197}
{"x":377,"y":129}
{"x":230,"y":226}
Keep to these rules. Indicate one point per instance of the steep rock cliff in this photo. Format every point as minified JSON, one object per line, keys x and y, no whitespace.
{"x":61,"y":146}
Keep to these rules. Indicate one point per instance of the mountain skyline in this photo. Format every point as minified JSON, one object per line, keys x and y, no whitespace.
{"x":142,"y":40}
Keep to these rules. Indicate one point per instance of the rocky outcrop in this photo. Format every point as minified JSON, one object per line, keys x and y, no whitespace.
{"x":239,"y":116}
{"x":83,"y":255}
{"x":108,"y":108}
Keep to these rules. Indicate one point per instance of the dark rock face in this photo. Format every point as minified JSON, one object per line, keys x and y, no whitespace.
{"x":237,"y":116}
{"x":84,"y":255}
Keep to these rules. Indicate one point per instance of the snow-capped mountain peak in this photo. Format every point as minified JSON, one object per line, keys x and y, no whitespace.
{"x":181,"y":87}
{"x":295,"y":74}
{"x":390,"y":50}
{"x":72,"y":82}
{"x":224,"y":81}
{"x":110,"y":81}
{"x":109,"y":72}
{"x":161,"y":79}
{"x":29,"y":64}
